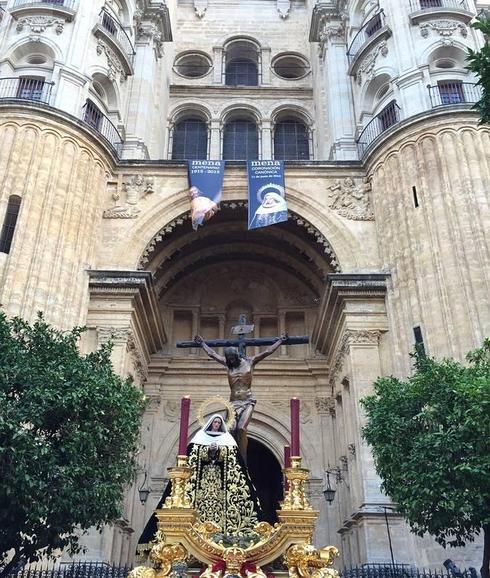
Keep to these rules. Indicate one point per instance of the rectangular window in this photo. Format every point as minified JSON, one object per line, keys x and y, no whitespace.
{"x":374,"y":25}
{"x":430,"y":4}
{"x":30,"y":88}
{"x":9,"y":223}
{"x":388,"y":116}
{"x":451,"y":92}
{"x":92,"y":115}
{"x":109,"y":24}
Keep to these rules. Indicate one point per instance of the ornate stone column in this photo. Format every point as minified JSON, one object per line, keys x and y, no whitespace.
{"x":328,"y":29}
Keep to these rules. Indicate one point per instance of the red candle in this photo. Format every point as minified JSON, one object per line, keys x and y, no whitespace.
{"x":295,"y":427}
{"x":185,"y":406}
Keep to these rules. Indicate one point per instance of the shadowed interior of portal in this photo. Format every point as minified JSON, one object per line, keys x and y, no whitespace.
{"x":266,"y":474}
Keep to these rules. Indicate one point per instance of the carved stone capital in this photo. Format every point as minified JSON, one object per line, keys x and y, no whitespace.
{"x":117,"y":335}
{"x":445,"y":28}
{"x":114,"y":66}
{"x":325,"y":405}
{"x":39,"y":24}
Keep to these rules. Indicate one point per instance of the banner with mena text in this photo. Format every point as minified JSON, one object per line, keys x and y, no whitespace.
{"x":205,"y":188}
{"x":266,"y":194}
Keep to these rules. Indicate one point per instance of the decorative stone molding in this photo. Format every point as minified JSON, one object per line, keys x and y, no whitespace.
{"x":200,"y":7}
{"x":352,"y":449}
{"x":349,"y":338}
{"x":140,"y":366}
{"x":169,"y":227}
{"x":331,"y":32}
{"x":118,"y":335}
{"x":39,"y":24}
{"x":344,"y":463}
{"x":153,"y":403}
{"x":325,"y":405}
{"x":156,"y":14}
{"x":171,"y":410}
{"x":115,"y":68}
{"x":366,"y":67}
{"x":150,"y":32}
{"x":444,"y":28}
{"x":135,"y":188}
{"x":283,"y":7}
{"x":350,"y":200}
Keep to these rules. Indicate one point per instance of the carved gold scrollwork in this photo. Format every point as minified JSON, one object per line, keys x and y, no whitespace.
{"x":164,"y":555}
{"x":306,"y":561}
{"x":295,"y":498}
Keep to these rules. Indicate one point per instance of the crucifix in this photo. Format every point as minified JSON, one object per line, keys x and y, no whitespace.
{"x":240,"y":368}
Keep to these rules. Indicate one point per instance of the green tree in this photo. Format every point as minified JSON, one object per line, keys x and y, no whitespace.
{"x":430,"y":437}
{"x":479,"y":62}
{"x":69,"y":429}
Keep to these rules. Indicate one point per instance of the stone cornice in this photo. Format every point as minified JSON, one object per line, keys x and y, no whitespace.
{"x":186,"y":91}
{"x":324,"y":12}
{"x":155,"y":12}
{"x":339,"y":288}
{"x":138,"y":287}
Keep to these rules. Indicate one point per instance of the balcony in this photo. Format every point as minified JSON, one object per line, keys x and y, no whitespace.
{"x":109,"y":29}
{"x":93,"y":117}
{"x":63,"y":8}
{"x":421,"y":10}
{"x":373,"y":31}
{"x":453,"y":93}
{"x":30,"y":89}
{"x":389,"y":116}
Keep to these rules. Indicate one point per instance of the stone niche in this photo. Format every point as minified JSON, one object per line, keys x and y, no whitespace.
{"x":210,"y":301}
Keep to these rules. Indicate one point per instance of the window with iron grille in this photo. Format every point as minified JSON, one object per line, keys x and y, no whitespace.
{"x":451,"y":92}
{"x":242,"y":72}
{"x":190,"y":139}
{"x":240,"y":140}
{"x":109,"y":23}
{"x":375,"y":24}
{"x":430,"y":4}
{"x":9,"y":223}
{"x":93,"y":116}
{"x":30,"y":88}
{"x":388,"y":116}
{"x":291,"y":141}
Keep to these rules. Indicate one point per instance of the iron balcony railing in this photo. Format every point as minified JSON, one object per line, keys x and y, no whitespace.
{"x":447,"y":93}
{"x":364,"y":34}
{"x":389,"y":116}
{"x":69,"y":4}
{"x":73,"y":570}
{"x":94,"y":117}
{"x":26,"y":89}
{"x":417,"y":5}
{"x":117,"y":32}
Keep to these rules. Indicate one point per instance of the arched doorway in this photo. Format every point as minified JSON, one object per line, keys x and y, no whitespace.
{"x":266,"y":474}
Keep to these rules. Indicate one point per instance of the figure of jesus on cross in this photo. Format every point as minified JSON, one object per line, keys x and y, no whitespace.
{"x":240,"y":369}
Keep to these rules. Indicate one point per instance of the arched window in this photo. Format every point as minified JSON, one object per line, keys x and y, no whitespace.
{"x":9,"y":223}
{"x":240,"y":140}
{"x":291,"y":140}
{"x":190,"y":139}
{"x":241,"y":72}
{"x":241,"y":63}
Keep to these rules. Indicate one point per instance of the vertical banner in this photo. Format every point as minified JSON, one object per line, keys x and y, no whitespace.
{"x":266,"y":195}
{"x":205,"y":188}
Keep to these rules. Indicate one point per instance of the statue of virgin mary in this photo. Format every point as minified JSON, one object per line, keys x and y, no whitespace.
{"x":219,"y":489}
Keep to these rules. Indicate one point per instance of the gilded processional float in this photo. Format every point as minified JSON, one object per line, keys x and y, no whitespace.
{"x":210,"y":516}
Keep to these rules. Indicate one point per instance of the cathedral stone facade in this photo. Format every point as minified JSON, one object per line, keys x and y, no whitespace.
{"x":387,"y":177}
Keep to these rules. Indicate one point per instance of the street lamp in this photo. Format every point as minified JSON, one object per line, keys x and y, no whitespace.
{"x":328,"y":491}
{"x":144,"y":490}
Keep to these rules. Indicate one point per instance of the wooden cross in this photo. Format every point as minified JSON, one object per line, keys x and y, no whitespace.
{"x":242,"y":342}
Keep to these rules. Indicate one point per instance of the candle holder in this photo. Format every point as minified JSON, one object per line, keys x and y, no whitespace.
{"x":179,"y":475}
{"x":295,"y":497}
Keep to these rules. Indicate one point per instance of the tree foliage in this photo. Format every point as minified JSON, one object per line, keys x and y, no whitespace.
{"x":479,"y":62}
{"x":69,"y":429}
{"x":430,"y":437}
